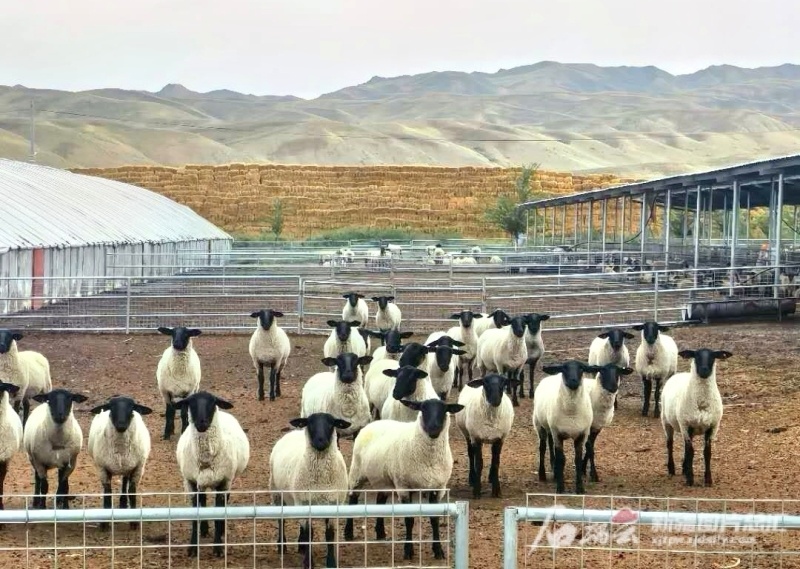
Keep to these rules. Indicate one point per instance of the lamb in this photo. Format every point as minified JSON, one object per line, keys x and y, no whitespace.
{"x":656,"y":360}
{"x":178,"y":374}
{"x":10,"y":432}
{"x":119,"y":445}
{"x":603,"y":389}
{"x":28,"y":370}
{"x":562,"y":409}
{"x":269,"y":346}
{"x":388,"y":315}
{"x":376,"y":384}
{"x":404,"y":456}
{"x":52,"y":439}
{"x":412,"y":384}
{"x":211,"y":453}
{"x":609,"y":348}
{"x":391,"y":344}
{"x":487,"y":418}
{"x":306,"y":467}
{"x":535,"y":345}
{"x":441,"y":364}
{"x":692,"y":404}
{"x":355,"y":308}
{"x":496,"y":319}
{"x":503,"y":350}
{"x":339,"y":393}
{"x":464,"y":332}
{"x":342,"y":340}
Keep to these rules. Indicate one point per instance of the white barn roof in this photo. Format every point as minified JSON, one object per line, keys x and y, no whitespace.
{"x":48,"y":207}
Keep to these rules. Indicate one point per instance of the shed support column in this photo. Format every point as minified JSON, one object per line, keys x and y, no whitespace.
{"x":575,"y":228}
{"x":725,"y":225}
{"x":794,"y":228}
{"x":747,"y":220}
{"x":544,"y":226}
{"x":734,"y":230}
{"x":667,"y":212}
{"x":643,"y":228}
{"x":685,"y":220}
{"x":696,"y":236}
{"x":604,"y":224}
{"x":622,"y":233}
{"x":589,"y":230}
{"x":563,"y":224}
{"x":527,"y":222}
{"x":776,"y":257}
{"x":553,"y":226}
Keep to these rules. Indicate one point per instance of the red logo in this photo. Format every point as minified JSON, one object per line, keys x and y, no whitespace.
{"x":624,"y":516}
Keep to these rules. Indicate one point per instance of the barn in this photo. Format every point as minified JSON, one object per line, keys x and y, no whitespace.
{"x":66,"y":235}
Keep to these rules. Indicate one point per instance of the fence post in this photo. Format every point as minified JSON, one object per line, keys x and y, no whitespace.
{"x":301,"y":293}
{"x":128,"y":306}
{"x":655,"y":298}
{"x":462,"y":535}
{"x":510,"y":538}
{"x":483,"y":295}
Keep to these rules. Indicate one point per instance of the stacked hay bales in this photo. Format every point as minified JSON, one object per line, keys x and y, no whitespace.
{"x":239,"y":197}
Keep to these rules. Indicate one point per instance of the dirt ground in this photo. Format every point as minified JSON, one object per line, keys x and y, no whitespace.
{"x":754,"y":456}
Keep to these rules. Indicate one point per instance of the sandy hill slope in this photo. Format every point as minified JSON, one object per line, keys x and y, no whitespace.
{"x":636,"y":121}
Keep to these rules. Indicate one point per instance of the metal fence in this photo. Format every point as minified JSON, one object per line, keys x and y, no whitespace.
{"x":157,"y":533}
{"x":224,"y":302}
{"x":621,"y":531}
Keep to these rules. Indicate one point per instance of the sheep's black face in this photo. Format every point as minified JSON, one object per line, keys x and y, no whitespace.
{"x":413,"y":354}
{"x":7,"y":338}
{"x":444,"y":355}
{"x":465,"y":317}
{"x":342,"y":328}
{"x":266,"y":317}
{"x":393,"y":340}
{"x":352,"y":298}
{"x":518,"y":326}
{"x":433,"y":414}
{"x":571,"y":372}
{"x":616,"y":337}
{"x":320,"y":429}
{"x":493,"y":385}
{"x":406,"y":378}
{"x":9,"y":388}
{"x":704,"y":360}
{"x":181,"y":336}
{"x":650,"y":331}
{"x":347,"y":367}
{"x":120,"y":411}
{"x":534,"y":322}
{"x":500,"y":318}
{"x":610,"y":374}
{"x":202,"y":408}
{"x":60,"y":402}
{"x":383,"y":301}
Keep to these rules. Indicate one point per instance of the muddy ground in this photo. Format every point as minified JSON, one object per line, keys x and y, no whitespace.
{"x":755,"y":456}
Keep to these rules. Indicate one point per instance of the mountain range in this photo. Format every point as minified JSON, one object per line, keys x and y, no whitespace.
{"x":635,"y":121}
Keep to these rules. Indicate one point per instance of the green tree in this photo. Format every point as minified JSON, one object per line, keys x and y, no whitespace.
{"x":276,"y":223}
{"x":505,"y":214}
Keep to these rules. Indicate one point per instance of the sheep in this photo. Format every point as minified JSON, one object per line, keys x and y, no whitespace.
{"x":656,"y":360}
{"x":27,"y":369}
{"x":178,"y":374}
{"x":355,"y":308}
{"x":475,"y":250}
{"x":464,"y":332}
{"x":341,"y":340}
{"x":442,"y":362}
{"x":535,"y":345}
{"x":10,"y":432}
{"x":119,"y":445}
{"x":503,"y":350}
{"x":391,"y":344}
{"x":404,"y":456}
{"x":395,"y":249}
{"x":603,"y":389}
{"x":562,"y":409}
{"x":388,"y":315}
{"x":340,"y":393}
{"x":410,"y":383}
{"x":376,"y":384}
{"x":306,"y":467}
{"x":496,"y":319}
{"x":52,"y":439}
{"x":269,"y":346}
{"x":495,"y":260}
{"x":211,"y":453}
{"x":692,"y":404}
{"x":609,"y":348}
{"x":487,"y":418}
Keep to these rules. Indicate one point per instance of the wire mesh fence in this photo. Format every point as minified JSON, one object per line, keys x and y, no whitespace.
{"x":157,"y":533}
{"x":622,"y":531}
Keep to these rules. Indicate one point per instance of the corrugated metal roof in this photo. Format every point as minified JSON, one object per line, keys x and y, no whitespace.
{"x":48,"y":207}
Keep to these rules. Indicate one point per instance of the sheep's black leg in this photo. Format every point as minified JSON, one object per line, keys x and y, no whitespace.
{"x":706,"y":457}
{"x":532,"y":366}
{"x":26,"y":410}
{"x":16,"y":406}
{"x":219,"y":525}
{"x":3,"y":472}
{"x":201,"y":499}
{"x":277,"y":383}
{"x":123,"y":492}
{"x":511,"y":375}
{"x":348,"y":525}
{"x":62,"y":490}
{"x":469,"y":370}
{"x":579,"y":444}
{"x":438,"y":551}
{"x":647,"y":385}
{"x":131,"y":492}
{"x":542,"y":450}
{"x":281,"y":534}
{"x":590,"y":456}
{"x":272,"y":382}
{"x":494,"y":469}
{"x":184,"y":418}
{"x":408,"y":546}
{"x":520,"y":387}
{"x":471,"y":459}
{"x":380,"y":530}
{"x":457,"y":378}
{"x":307,"y":545}
{"x":559,"y":464}
{"x":657,"y":398}
{"x":688,"y":457}
{"x":302,"y":538}
{"x":670,"y":432}
{"x":169,"y":421}
{"x":260,"y":381}
{"x":552,"y":451}
{"x":38,"y":501}
{"x":477,"y":458}
{"x":330,"y":558}
{"x":191,"y":551}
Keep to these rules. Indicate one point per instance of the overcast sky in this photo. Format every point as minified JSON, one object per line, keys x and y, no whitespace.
{"x":309,"y":47}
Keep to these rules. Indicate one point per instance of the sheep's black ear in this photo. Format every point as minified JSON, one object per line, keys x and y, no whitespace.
{"x":222,"y":404}
{"x":332,"y":323}
{"x":41,"y":397}
{"x":341,"y":424}
{"x":459,"y":352}
{"x":603,"y":334}
{"x":376,"y":334}
{"x":16,"y":336}
{"x":453,"y":407}
{"x":628,"y":335}
{"x":638,"y":327}
{"x":195,"y":332}
{"x":390,"y":372}
{"x":592,"y":369}
{"x":406,"y":335}
{"x":544,"y":317}
{"x":375,"y":298}
{"x":456,"y":342}
{"x":624,"y":370}
{"x":435,"y":343}
{"x":330,"y":362}
{"x":277,"y":314}
{"x":364,"y":360}
{"x":359,"y":295}
{"x":420,"y":374}
{"x":686,"y":354}
{"x":164,"y":330}
{"x":663,"y":328}
{"x":415,"y":405}
{"x":255,"y":314}
{"x":390,"y":298}
{"x":722,"y":355}
{"x":142,"y":410}
{"x":299,"y":423}
{"x":181,"y":403}
{"x":455,"y":316}
{"x":354,"y":323}
{"x":478,"y":315}
{"x":345,"y":295}
{"x":475,"y":383}
{"x":79,"y":398}
{"x":99,"y":409}
{"x":552,"y":369}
